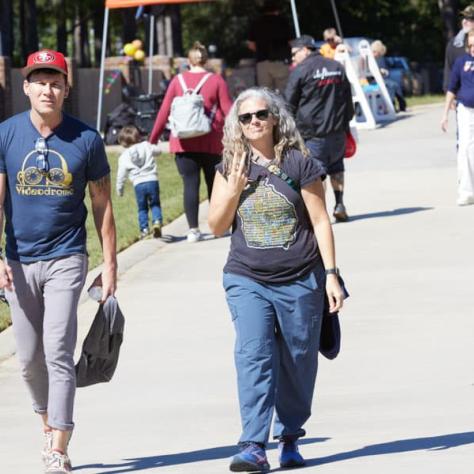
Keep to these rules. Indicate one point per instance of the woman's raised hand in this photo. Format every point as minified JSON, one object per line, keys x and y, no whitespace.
{"x":237,"y":177}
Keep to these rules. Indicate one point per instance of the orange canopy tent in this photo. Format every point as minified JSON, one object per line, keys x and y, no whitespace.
{"x":111,"y":4}
{"x":139,"y":3}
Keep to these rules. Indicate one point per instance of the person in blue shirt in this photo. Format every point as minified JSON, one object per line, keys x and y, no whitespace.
{"x":461,"y":90}
{"x":47,"y":159}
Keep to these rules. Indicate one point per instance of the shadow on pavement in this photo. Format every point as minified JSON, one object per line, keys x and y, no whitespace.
{"x":434,"y":443}
{"x":400,"y":116}
{"x":394,"y":212}
{"x":140,"y":464}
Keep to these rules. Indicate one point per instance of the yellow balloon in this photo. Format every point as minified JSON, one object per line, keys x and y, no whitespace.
{"x":129,"y":49}
{"x":139,"y":55}
{"x":137,"y":43}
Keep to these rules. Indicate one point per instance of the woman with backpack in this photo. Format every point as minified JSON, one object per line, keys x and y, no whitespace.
{"x":194,"y":149}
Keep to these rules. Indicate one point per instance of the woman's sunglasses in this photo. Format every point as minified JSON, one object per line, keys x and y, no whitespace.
{"x":260,"y":114}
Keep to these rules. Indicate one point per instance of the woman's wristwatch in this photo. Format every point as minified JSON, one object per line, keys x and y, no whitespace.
{"x":332,"y":271}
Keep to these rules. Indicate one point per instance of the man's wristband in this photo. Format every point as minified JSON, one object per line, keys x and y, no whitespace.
{"x":332,"y":271}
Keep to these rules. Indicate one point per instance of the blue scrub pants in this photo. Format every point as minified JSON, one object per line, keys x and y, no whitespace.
{"x":276,"y":351}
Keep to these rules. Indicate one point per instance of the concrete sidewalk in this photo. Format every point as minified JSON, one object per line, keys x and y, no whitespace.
{"x":399,"y":398}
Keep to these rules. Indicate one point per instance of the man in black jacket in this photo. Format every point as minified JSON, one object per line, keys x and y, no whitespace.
{"x":455,"y":46}
{"x":321,"y":97}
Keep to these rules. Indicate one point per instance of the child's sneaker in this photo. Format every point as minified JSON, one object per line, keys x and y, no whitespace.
{"x":289,"y":454}
{"x":58,"y":463}
{"x":194,"y":235}
{"x":252,"y":458}
{"x":143,"y":233}
{"x":156,"y":230}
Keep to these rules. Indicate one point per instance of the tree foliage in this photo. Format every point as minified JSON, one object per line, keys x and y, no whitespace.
{"x":417,"y":29}
{"x":413,"y":28}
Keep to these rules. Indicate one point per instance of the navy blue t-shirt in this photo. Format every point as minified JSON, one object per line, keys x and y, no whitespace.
{"x":45,"y":211}
{"x":461,"y":81}
{"x":272,"y":237}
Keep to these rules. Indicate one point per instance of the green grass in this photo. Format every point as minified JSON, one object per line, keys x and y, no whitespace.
{"x":125,"y":211}
{"x":424,"y":99}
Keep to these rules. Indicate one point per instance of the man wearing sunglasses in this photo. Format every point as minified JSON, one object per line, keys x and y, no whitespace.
{"x":320,"y":95}
{"x":47,"y":159}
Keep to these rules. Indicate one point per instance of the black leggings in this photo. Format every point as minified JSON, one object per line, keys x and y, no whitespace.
{"x":189,"y":166}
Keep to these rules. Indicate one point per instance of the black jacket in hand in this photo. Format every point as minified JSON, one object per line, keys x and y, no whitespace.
{"x":320,"y":95}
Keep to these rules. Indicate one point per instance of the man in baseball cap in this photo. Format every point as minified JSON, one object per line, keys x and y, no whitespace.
{"x":455,"y":46}
{"x":47,"y":159}
{"x":45,"y":59}
{"x":320,"y":95}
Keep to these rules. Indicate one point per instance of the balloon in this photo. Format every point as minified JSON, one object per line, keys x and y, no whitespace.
{"x":139,"y":55}
{"x":129,"y":49}
{"x":138,"y":44}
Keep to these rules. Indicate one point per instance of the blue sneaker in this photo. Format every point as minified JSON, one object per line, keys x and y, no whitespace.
{"x":289,"y":454}
{"x":252,"y":458}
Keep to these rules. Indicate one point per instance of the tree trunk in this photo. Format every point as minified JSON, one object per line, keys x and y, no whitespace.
{"x":175,"y":13}
{"x":98,"y":23}
{"x":61,"y":31}
{"x":28,"y":28}
{"x":84,"y":36}
{"x":81,"y":36}
{"x":129,"y":25}
{"x":449,"y":17}
{"x":76,"y":43}
{"x":6,"y":29}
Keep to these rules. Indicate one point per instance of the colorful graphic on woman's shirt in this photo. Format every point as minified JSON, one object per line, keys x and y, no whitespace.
{"x":268,"y":219}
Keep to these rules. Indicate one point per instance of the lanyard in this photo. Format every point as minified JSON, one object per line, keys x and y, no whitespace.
{"x":275,"y":170}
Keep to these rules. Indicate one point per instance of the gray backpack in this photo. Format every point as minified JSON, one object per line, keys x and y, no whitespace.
{"x":187,"y":117}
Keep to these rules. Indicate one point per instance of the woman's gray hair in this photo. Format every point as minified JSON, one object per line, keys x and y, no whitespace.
{"x":285,"y":133}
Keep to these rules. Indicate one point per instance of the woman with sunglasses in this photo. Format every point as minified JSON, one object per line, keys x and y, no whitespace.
{"x":280,"y":264}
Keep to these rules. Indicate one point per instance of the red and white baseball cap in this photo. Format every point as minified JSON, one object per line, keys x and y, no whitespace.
{"x":45,"y":59}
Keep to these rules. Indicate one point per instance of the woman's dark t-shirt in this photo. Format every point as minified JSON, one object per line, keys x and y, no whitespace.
{"x":272,"y":236}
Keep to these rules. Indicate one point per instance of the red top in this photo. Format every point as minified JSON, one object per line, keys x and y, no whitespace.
{"x":214,"y":91}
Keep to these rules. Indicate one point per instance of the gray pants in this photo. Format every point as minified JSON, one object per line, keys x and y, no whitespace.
{"x":44,"y":313}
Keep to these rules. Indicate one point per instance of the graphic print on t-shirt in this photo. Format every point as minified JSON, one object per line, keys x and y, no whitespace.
{"x":55,"y":181}
{"x":469,"y":66}
{"x":268,"y":219}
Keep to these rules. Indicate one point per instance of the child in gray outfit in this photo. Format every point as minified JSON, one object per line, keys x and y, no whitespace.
{"x":138,"y":163}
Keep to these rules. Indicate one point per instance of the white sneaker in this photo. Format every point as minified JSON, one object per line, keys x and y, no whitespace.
{"x":58,"y":463}
{"x":194,"y":235}
{"x":465,"y":201}
{"x":48,"y":446}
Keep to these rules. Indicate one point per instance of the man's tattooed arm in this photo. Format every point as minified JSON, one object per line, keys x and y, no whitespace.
{"x":101,"y":185}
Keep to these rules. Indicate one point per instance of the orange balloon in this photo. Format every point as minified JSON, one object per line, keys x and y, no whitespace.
{"x":138,"y":44}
